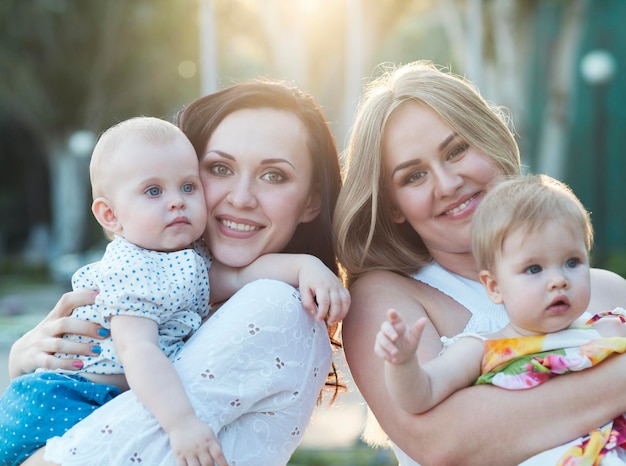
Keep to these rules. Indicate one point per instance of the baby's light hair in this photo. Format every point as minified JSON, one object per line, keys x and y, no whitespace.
{"x":524,"y":202}
{"x":150,"y":129}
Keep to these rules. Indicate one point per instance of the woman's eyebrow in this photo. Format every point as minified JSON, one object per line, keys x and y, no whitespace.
{"x":277,"y":160}
{"x":416,"y":161}
{"x":226,"y":155}
{"x":403,"y":165}
{"x":447,"y":141}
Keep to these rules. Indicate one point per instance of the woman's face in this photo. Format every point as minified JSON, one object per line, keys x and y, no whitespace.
{"x":257,"y":175}
{"x":434,"y":179}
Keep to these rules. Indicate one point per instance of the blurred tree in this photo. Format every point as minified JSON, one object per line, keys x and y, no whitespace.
{"x":76,"y":65}
{"x":70,"y":65}
{"x":84,"y":64}
{"x":494,"y":42}
{"x":324,"y":46}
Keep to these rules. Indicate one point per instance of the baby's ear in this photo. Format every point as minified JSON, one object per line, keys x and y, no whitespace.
{"x":105,"y":215}
{"x":491,"y":286}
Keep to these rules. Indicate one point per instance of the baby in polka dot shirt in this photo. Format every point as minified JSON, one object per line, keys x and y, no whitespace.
{"x":153,"y":283}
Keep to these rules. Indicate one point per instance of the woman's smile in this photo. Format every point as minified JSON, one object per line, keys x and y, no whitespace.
{"x":257,"y":177}
{"x":462,"y":207}
{"x":241,"y":227}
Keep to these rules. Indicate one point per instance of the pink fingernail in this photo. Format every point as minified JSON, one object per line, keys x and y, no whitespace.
{"x":78,"y":364}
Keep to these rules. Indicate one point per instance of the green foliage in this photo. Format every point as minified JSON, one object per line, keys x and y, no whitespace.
{"x":616,"y":262}
{"x":15,"y":273}
{"x":359,"y":455}
{"x":86,"y":64}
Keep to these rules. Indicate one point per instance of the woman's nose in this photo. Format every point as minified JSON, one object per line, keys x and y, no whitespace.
{"x":241,"y":195}
{"x":447,"y":181}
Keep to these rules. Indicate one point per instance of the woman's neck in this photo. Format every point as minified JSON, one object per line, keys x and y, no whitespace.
{"x":461,"y":264}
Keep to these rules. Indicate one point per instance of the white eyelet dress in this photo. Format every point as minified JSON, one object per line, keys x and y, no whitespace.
{"x":253,"y":372}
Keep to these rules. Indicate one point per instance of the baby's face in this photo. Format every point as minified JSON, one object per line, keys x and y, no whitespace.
{"x":543,"y":277}
{"x":156,"y":194}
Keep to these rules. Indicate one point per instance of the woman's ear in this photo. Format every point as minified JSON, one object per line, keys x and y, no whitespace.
{"x":313,"y":207}
{"x":105,"y":215}
{"x":395,"y":215}
{"x":491,"y":286}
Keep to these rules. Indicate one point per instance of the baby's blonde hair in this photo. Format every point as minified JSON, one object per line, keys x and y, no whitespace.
{"x":525,"y":202}
{"x":150,"y":129}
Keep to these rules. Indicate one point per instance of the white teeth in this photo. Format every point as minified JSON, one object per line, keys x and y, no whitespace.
{"x":238,"y":226}
{"x":459,"y":208}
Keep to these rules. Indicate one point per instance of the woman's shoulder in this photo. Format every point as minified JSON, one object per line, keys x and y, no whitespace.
{"x":604,"y":276}
{"x":377,"y":291}
{"x":384,"y":284}
{"x":382,"y":289}
{"x":386,"y":281}
{"x":608,"y":290}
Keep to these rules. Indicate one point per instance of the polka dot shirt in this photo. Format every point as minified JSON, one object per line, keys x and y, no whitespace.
{"x":171,"y":288}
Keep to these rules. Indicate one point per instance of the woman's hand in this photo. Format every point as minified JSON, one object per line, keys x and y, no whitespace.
{"x":37,"y":348}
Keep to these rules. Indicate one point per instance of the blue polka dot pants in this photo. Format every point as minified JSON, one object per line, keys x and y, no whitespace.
{"x":36,"y":407}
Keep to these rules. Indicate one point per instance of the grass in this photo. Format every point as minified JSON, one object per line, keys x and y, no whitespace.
{"x":359,"y":454}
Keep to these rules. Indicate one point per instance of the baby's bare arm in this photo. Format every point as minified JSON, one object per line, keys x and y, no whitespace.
{"x":156,"y":383}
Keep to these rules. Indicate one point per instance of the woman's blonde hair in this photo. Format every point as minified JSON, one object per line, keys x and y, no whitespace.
{"x":524,"y":203}
{"x":367,"y":238}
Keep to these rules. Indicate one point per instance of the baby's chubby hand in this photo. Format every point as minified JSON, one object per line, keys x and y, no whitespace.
{"x":396,"y":342}
{"x":322,"y":292}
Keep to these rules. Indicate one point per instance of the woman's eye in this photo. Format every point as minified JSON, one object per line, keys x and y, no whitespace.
{"x":414,"y":177}
{"x":153,"y":191}
{"x":533,"y":269}
{"x":188,"y":188}
{"x":458,"y":150}
{"x":220,"y":170}
{"x":274,"y":177}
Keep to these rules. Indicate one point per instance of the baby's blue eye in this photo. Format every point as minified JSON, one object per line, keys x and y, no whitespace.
{"x":572,"y":263}
{"x":187,"y":188}
{"x":153,"y":191}
{"x":533,"y":269}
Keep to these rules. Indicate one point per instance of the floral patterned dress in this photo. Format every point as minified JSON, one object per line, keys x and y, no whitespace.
{"x":521,"y":363}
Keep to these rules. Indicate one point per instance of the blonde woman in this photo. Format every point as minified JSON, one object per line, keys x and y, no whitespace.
{"x":424,"y":150}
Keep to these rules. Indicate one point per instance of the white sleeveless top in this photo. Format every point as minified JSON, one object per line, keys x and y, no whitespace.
{"x":487,"y":317}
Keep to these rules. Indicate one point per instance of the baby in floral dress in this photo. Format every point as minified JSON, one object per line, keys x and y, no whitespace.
{"x":531,"y":239}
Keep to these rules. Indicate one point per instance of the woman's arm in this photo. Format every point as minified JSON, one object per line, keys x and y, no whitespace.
{"x":506,"y":427}
{"x":608,"y":291}
{"x":321,"y":290}
{"x":36,"y":348}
